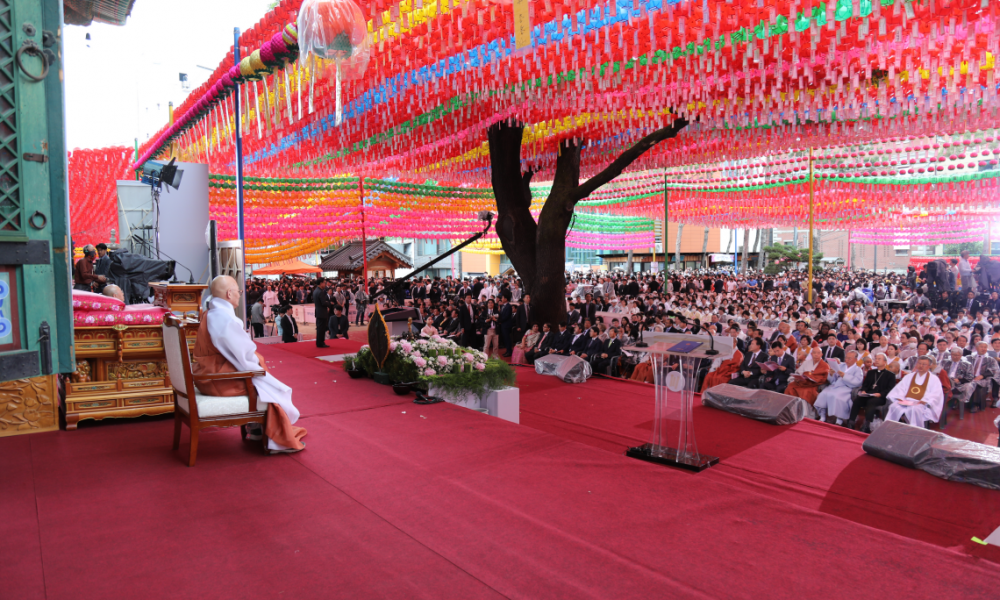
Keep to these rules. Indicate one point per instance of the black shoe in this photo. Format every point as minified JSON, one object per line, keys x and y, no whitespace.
{"x":323,"y":346}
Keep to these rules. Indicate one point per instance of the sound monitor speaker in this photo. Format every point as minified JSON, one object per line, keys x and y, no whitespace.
{"x":936,"y":453}
{"x":760,"y":405}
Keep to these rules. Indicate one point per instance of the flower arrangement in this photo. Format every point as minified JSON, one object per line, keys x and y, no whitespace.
{"x":454,"y":369}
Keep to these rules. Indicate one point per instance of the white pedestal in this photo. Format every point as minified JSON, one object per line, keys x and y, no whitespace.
{"x":504,"y":404}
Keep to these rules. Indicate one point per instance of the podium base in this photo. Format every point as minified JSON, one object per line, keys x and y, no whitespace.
{"x":669,"y":458}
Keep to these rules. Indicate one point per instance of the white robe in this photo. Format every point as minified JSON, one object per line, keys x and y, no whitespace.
{"x":918,"y":414}
{"x":836,"y":399}
{"x":270,"y":299}
{"x":234,"y":343}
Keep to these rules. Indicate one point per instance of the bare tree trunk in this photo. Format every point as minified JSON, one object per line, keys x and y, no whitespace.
{"x":677,"y":247}
{"x":704,"y":249}
{"x":729,"y":244}
{"x":538,"y":250}
{"x":760,"y":249}
{"x":746,"y":248}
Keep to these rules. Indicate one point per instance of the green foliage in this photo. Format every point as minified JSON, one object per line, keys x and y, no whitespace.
{"x":462,"y":378}
{"x":783,"y":258}
{"x":974,"y":248}
{"x":349,"y":361}
{"x":498,"y":375}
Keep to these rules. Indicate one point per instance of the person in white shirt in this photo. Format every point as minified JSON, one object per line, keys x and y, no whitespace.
{"x":918,"y":396}
{"x":965,"y":272}
{"x":836,"y":398}
{"x":489,"y":291}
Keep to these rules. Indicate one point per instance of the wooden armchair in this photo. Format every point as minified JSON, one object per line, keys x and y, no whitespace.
{"x":205,"y":411}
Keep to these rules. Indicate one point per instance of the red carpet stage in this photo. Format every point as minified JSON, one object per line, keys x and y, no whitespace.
{"x":814,"y":465}
{"x":309,"y":349}
{"x":395,"y":500}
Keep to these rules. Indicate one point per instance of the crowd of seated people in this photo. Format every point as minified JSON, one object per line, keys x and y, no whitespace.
{"x":822,"y":351}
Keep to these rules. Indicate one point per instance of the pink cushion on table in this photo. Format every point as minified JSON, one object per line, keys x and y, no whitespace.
{"x":95,"y":318}
{"x":143,"y":314}
{"x":89,"y":301}
{"x":138,"y":314}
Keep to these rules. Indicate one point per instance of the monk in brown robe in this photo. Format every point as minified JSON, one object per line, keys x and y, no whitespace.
{"x":724,"y":373}
{"x":223,"y":346}
{"x":812,"y":373}
{"x":643,"y":372}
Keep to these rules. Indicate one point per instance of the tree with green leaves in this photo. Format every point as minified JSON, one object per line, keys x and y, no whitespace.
{"x":974,"y":248}
{"x":782,"y":258}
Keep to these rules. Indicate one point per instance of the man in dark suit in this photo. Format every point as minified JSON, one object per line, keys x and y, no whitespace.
{"x":748,"y":374}
{"x":740,"y":344}
{"x":321,"y":302}
{"x":832,"y":350}
{"x":506,"y":327}
{"x":579,"y":340}
{"x":523,"y":320}
{"x":562,"y":340}
{"x":632,"y":289}
{"x":542,"y":346}
{"x":972,"y":304}
{"x":777,"y":380}
{"x":588,"y":310}
{"x":573,"y":316}
{"x":289,"y":328}
{"x":874,"y":388}
{"x":339,"y":324}
{"x":605,"y":356}
{"x":467,"y":318}
{"x":593,"y":346}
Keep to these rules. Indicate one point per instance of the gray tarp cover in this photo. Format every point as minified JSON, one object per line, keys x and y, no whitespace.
{"x":571,"y":369}
{"x":133,"y":272}
{"x":762,"y":405}
{"x":936,"y":453}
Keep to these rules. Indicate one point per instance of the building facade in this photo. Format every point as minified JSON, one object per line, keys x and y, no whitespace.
{"x":835,"y":244}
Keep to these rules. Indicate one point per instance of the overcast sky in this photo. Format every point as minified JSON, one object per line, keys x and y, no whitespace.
{"x":119,"y":82}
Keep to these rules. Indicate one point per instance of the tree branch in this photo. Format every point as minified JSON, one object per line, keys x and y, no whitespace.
{"x":627,"y":158}
{"x":526,"y":186}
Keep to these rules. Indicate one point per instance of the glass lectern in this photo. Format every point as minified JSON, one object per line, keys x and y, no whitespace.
{"x":675,"y":375}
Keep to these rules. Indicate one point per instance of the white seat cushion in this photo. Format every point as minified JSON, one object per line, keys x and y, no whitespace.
{"x":215,"y":406}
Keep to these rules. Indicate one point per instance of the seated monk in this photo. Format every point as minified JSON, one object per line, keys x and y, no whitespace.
{"x":113,"y":291}
{"x":811,"y":374}
{"x":643,"y":372}
{"x":724,"y":372}
{"x":223,"y":346}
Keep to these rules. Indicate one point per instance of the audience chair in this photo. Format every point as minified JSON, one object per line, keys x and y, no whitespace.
{"x":205,"y":411}
{"x":980,"y":397}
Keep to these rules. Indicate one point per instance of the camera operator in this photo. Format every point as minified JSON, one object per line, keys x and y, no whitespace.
{"x":257,"y":318}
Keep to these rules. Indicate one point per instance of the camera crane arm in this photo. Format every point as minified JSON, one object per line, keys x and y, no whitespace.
{"x":394,"y":289}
